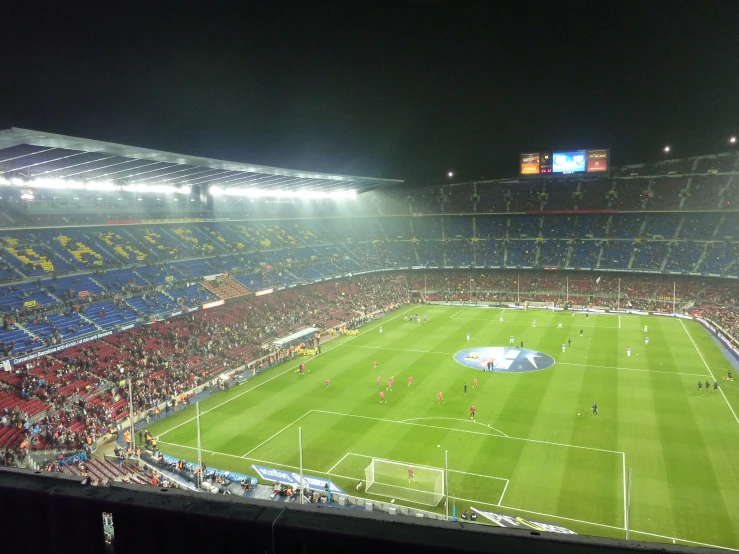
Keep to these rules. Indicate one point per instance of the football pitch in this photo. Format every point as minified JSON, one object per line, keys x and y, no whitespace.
{"x":534,"y":450}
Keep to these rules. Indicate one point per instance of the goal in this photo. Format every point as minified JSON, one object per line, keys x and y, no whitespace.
{"x":388,"y":478}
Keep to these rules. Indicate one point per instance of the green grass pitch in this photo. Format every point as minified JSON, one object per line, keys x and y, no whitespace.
{"x":529,"y":453}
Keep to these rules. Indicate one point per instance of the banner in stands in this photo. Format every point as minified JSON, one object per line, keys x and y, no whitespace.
{"x":292,"y":478}
{"x":263,"y":292}
{"x":518,"y":522}
{"x":213,"y":304}
{"x":71,"y":343}
{"x":235,"y":477}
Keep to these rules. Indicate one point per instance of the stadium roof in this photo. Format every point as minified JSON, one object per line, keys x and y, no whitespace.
{"x":32,"y":155}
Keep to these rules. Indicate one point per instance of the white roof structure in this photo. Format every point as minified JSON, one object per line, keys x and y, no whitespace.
{"x":33,"y":155}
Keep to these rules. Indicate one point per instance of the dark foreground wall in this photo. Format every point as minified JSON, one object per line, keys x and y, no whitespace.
{"x":45,"y":512}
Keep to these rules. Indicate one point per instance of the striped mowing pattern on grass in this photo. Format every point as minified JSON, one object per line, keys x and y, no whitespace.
{"x":682,"y":443}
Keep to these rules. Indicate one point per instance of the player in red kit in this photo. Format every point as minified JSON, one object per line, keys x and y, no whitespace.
{"x":474,"y":383}
{"x":379,"y":379}
{"x":472,"y":412}
{"x":374,"y":364}
{"x":411,"y":477}
{"x":327,"y":382}
{"x":389,"y":384}
{"x":440,"y":398}
{"x":410,"y":381}
{"x":382,"y":396}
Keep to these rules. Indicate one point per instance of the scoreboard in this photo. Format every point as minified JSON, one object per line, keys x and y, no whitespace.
{"x":571,"y":162}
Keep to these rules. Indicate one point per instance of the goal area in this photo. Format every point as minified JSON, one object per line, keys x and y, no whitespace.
{"x":392,"y":479}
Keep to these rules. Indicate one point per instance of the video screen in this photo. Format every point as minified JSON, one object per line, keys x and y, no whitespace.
{"x":597,"y":160}
{"x":562,"y":164}
{"x":529,"y":164}
{"x":568,"y":162}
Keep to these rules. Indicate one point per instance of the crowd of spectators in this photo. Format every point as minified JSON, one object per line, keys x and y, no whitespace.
{"x":85,"y":388}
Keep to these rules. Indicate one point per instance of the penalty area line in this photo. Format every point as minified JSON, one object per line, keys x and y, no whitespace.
{"x":505,"y":488}
{"x":470,"y":432}
{"x":454,"y":419}
{"x":337,"y":464}
{"x":285,"y":428}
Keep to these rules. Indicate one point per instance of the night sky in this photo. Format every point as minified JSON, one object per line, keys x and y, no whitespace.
{"x":404,"y":90}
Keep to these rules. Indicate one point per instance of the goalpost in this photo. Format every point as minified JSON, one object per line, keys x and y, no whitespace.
{"x":388,"y":478}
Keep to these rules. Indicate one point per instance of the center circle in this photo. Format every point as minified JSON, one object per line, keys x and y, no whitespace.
{"x":504,"y":359}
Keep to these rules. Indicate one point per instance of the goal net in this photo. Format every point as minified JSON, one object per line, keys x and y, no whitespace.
{"x":387,"y":478}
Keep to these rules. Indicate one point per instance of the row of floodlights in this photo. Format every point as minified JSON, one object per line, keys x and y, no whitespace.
{"x":296,"y":194}
{"x":96,"y":186}
{"x":107,"y":186}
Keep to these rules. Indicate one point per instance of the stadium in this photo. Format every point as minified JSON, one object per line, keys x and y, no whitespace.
{"x":547,"y":352}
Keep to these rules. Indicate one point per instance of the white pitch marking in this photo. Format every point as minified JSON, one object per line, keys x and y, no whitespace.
{"x":683,"y":540}
{"x":529,"y":324}
{"x":426,"y":467}
{"x":380,"y":322}
{"x":333,"y":467}
{"x":500,"y":500}
{"x":265,"y":462}
{"x":634,"y":369}
{"x":624,"y":479}
{"x":721,"y":390}
{"x":459,"y":312}
{"x":452,"y":419}
{"x":470,"y":432}
{"x":474,"y":501}
{"x":277,"y":433}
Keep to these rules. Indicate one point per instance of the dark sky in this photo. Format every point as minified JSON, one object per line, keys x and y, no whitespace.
{"x":399,"y":89}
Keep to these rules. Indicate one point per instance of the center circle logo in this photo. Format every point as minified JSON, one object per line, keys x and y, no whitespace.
{"x":504,"y":359}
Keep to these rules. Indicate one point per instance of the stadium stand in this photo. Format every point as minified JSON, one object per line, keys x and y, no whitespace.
{"x":83,"y":300}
